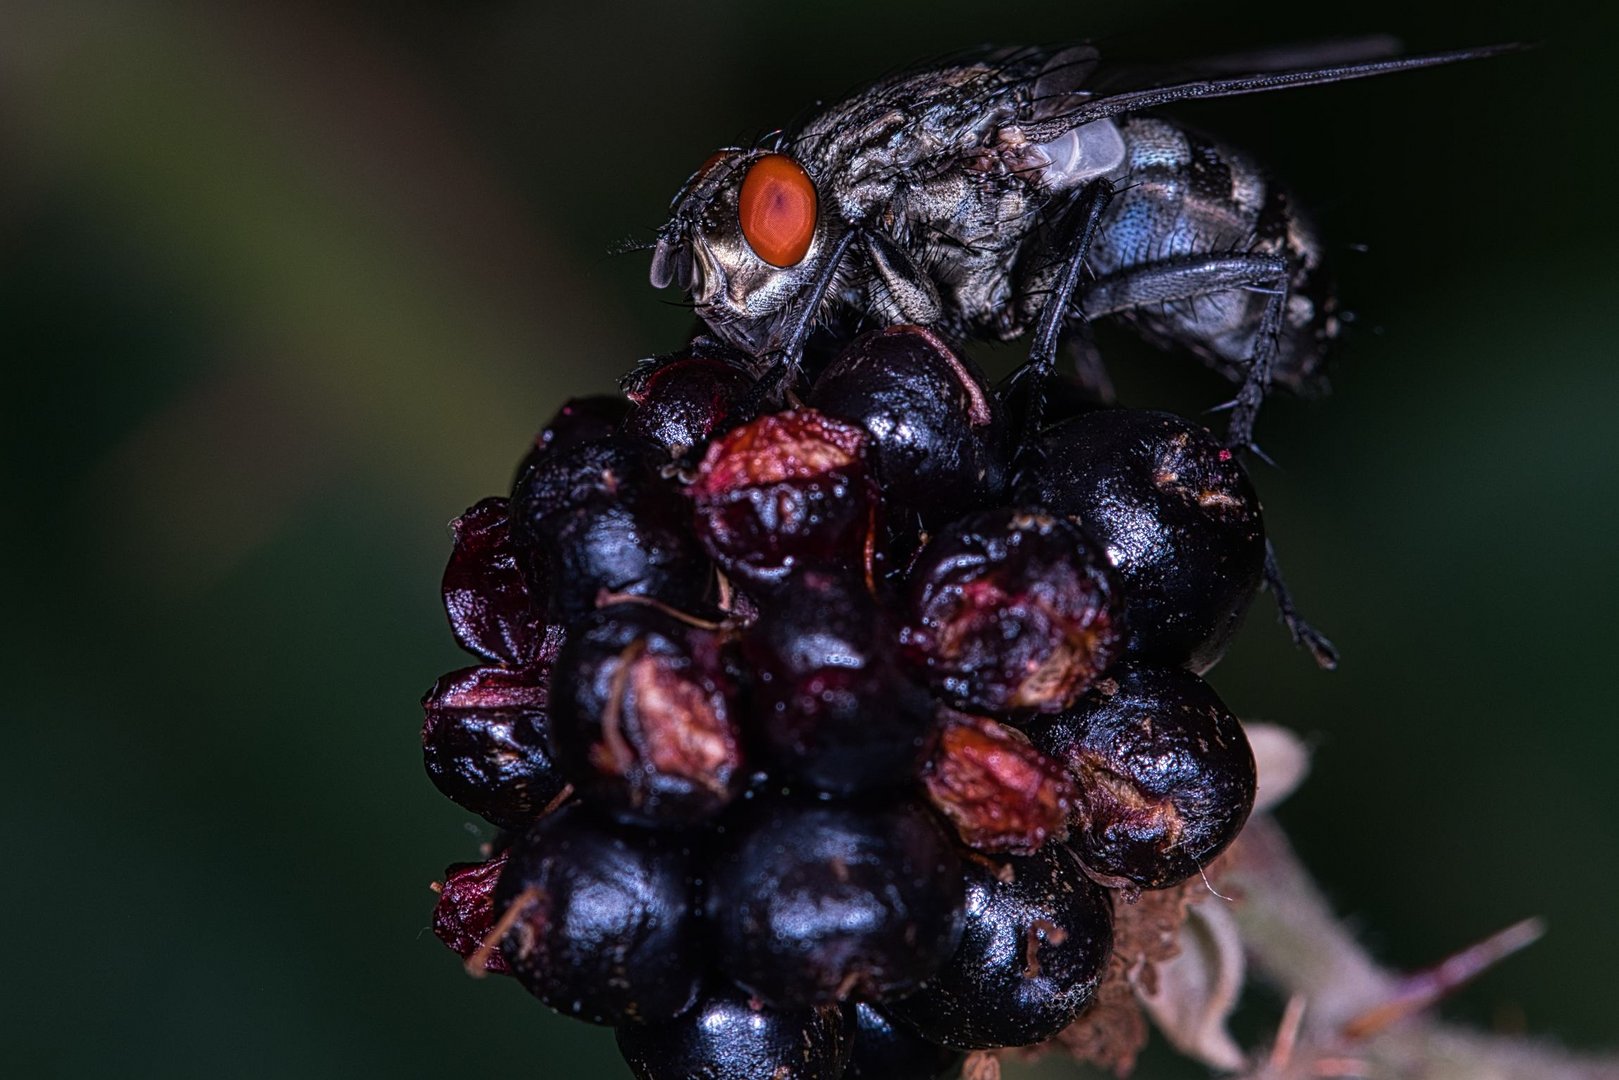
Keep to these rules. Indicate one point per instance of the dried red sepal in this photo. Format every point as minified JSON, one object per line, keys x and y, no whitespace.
{"x":1000,"y":792}
{"x":1013,"y":611}
{"x":488,"y":688}
{"x":646,"y":720}
{"x":788,"y":489}
{"x":491,"y":612}
{"x":466,"y":910}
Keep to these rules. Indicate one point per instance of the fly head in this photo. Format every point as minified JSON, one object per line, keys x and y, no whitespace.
{"x":746,"y":235}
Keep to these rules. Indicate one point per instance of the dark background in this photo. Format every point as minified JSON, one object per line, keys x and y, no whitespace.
{"x":281,"y":293}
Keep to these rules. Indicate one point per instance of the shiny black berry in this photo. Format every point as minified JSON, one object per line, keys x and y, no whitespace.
{"x":937,"y":433}
{"x":1036,"y":943}
{"x":831,"y":704}
{"x":581,"y":419}
{"x":602,"y":519}
{"x":820,"y":902}
{"x":598,"y":920}
{"x":1165,"y":777}
{"x":645,"y":715}
{"x":683,"y":399}
{"x":886,"y":1049}
{"x":728,"y":1036}
{"x":485,"y":743}
{"x":1177,"y":515}
{"x":1012,"y":610}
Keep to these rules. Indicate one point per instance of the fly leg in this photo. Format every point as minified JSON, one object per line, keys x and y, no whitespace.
{"x":1074,"y":234}
{"x":912,"y":297}
{"x":1326,"y":655}
{"x":1186,"y":278}
{"x":785,"y":352}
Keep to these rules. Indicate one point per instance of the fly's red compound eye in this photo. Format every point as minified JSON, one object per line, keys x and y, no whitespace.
{"x":777,"y":210}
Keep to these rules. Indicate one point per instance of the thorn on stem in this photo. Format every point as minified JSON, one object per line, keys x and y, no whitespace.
{"x":1421,"y":989}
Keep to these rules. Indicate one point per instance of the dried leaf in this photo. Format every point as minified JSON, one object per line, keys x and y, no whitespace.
{"x":466,"y":909}
{"x":1194,"y":993}
{"x":981,"y":1065}
{"x":1112,"y":1032}
{"x":1282,"y":762}
{"x":1146,"y":934}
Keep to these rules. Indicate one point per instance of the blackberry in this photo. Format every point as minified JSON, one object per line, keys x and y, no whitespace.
{"x":818,"y":742}
{"x":1037,"y":939}
{"x":645,"y":716}
{"x":1164,"y":774}
{"x":597,"y":921}
{"x":728,"y":1036}
{"x":1177,"y":515}
{"x":813,"y":903}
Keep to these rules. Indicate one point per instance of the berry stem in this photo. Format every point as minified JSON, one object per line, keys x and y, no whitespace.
{"x":497,"y":933}
{"x":1345,"y":1022}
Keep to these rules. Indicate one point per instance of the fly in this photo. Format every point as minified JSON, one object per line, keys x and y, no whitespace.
{"x":1027,"y":191}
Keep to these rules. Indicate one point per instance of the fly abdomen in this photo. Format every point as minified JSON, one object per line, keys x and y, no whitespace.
{"x":1181,"y":199}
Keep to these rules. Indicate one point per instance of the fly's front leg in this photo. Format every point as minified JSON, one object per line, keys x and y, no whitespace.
{"x":787,"y":349}
{"x":1189,"y":277}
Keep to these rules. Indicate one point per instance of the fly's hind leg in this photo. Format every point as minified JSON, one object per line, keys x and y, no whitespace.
{"x":1189,"y":277}
{"x":1324,"y":652}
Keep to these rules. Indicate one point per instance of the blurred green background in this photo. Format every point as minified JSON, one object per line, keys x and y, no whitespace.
{"x":287,"y":286}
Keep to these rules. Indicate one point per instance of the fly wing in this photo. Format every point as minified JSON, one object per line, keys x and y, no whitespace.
{"x":1061,"y":103}
{"x":1118,"y":78}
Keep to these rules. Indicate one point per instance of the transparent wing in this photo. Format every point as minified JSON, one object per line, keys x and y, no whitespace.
{"x":1067,"y":94}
